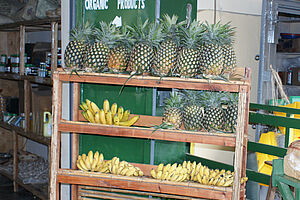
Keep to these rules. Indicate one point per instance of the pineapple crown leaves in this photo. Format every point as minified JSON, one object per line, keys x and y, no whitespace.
{"x":218,"y":33}
{"x":213,"y":99}
{"x":146,"y":32}
{"x":191,"y":97}
{"x":108,"y":34}
{"x":125,"y":38}
{"x":191,"y":35}
{"x":173,"y":101}
{"x":230,"y":98}
{"x":170,"y":27}
{"x":82,"y":32}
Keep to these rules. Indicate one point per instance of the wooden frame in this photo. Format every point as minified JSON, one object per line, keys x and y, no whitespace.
{"x":146,"y":184}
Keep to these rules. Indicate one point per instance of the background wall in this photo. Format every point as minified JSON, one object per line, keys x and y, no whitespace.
{"x":245,"y":16}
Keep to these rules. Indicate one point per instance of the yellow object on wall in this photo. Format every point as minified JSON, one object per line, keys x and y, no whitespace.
{"x":295,"y":133}
{"x":270,"y":139}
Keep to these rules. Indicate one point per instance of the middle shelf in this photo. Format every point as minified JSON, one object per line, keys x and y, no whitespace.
{"x":150,"y":133}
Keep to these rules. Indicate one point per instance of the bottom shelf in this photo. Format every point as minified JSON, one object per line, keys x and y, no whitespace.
{"x":187,"y":189}
{"x":39,"y":190}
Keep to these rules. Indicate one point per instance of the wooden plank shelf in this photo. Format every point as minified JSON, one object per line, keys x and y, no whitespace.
{"x":30,"y":135}
{"x":150,"y":133}
{"x":32,"y":79}
{"x":190,"y":189}
{"x":35,"y":189}
{"x":151,"y":81}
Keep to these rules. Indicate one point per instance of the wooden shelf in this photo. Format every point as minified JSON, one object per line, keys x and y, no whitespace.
{"x":35,"y":189}
{"x":149,"y":133}
{"x":32,"y":79}
{"x":30,"y":135}
{"x":31,"y":25}
{"x":151,"y":81}
{"x":240,"y":84}
{"x":189,"y":189}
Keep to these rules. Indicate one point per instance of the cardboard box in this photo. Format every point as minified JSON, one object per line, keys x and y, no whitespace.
{"x":296,"y":76}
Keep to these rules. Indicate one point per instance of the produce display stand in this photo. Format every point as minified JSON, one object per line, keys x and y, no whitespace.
{"x":49,"y":24}
{"x":142,"y":129}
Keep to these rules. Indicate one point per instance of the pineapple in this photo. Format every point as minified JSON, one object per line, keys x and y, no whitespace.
{"x":119,"y":54}
{"x":216,"y":53}
{"x":193,"y":111}
{"x":189,"y":58}
{"x":98,"y":54}
{"x":231,"y":111}
{"x":214,"y":118}
{"x":76,"y":48}
{"x":147,"y":36}
{"x":166,"y":56}
{"x":173,"y":113}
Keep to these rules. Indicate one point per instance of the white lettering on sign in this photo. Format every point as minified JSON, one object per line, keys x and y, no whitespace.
{"x":130,"y":4}
{"x":96,"y":4}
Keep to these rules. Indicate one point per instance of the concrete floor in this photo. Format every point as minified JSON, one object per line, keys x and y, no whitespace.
{"x":7,"y":192}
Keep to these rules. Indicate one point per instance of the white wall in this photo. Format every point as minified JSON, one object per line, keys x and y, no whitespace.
{"x":249,"y":7}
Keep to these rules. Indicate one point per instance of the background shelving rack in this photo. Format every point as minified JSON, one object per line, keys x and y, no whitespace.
{"x":145,"y":184}
{"x":49,"y":24}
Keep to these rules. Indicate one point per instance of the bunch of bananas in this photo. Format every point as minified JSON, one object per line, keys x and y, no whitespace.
{"x":96,"y":163}
{"x":91,"y":162}
{"x":194,"y":172}
{"x":117,"y":167}
{"x":107,"y":115}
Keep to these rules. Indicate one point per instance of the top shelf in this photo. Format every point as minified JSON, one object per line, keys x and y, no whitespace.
{"x":234,"y":85}
{"x":31,"y":25}
{"x":32,"y":79}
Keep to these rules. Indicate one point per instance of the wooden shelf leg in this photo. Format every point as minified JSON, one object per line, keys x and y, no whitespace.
{"x":54,"y":30}
{"x":22,"y":49}
{"x":15,"y":161}
{"x":27,"y":104}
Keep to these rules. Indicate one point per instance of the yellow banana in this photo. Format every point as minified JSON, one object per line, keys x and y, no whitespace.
{"x":199,"y":178}
{"x":88,"y":103}
{"x":160,"y":167}
{"x":184,"y":164}
{"x":124,"y":171}
{"x":221,"y":181}
{"x":97,"y":118}
{"x":228,"y":182}
{"x":82,"y":164}
{"x":173,"y":167}
{"x":166,"y":168}
{"x":83,"y":156}
{"x":130,"y":171}
{"x":180,"y":177}
{"x":125,"y":116}
{"x":83,"y":106}
{"x":153,"y":173}
{"x":114,"y":169}
{"x":215,"y":181}
{"x":120,"y":169}
{"x":91,"y":156}
{"x":102,"y":117}
{"x":104,"y":169}
{"x":244,"y":179}
{"x":174,"y":177}
{"x":109,"y":118}
{"x":120,"y":112}
{"x":193,"y":174}
{"x":90,"y":116}
{"x":79,"y":166}
{"x":164,"y":175}
{"x":131,"y":121}
{"x":114,"y":109}
{"x":201,"y":170}
{"x":94,"y":107}
{"x":94,"y":164}
{"x":106,"y":105}
{"x":141,"y":173}
{"x":116,"y":120}
{"x":84,"y":115}
{"x":136,"y":173}
{"x":159,"y":174}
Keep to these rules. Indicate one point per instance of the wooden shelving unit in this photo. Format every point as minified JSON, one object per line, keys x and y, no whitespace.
{"x":142,"y":129}
{"x":49,"y":24}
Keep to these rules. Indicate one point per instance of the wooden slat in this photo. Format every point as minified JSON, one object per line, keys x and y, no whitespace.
{"x":54,"y":30}
{"x":30,"y":135}
{"x":22,"y":50}
{"x":75,"y":136}
{"x":150,"y":81}
{"x":27,"y":106}
{"x":55,"y":138}
{"x":168,"y":196}
{"x":32,"y":79}
{"x":15,"y":161}
{"x":149,"y":133}
{"x":143,"y":184}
